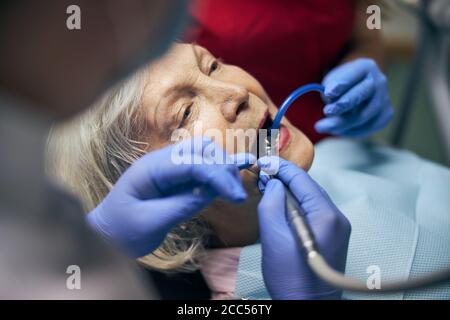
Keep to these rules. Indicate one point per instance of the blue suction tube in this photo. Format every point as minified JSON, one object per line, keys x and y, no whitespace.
{"x":292,"y":97}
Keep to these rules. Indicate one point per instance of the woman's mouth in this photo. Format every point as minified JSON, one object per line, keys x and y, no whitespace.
{"x":283,"y":135}
{"x":283,"y":138}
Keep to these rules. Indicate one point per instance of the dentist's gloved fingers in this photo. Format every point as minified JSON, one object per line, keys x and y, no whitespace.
{"x":163,"y":189}
{"x":224,"y":179}
{"x":137,"y":180}
{"x":375,"y":124}
{"x":355,"y":96}
{"x":229,"y":189}
{"x":291,"y":175}
{"x":309,"y":194}
{"x":273,"y":200}
{"x":261,"y":186}
{"x":162,"y":172}
{"x":170,"y":178}
{"x":147,"y":222}
{"x":285,"y":270}
{"x":363,"y":117}
{"x":355,"y":125}
{"x":262,"y":181}
{"x":342,"y":78}
{"x":272,"y":220}
{"x":331,"y":124}
{"x":357,"y":93}
{"x":243,"y":160}
{"x":211,"y":158}
{"x":323,"y":215}
{"x":179,"y":208}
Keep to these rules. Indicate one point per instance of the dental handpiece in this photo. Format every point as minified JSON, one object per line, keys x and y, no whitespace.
{"x":295,"y":215}
{"x":297,"y":220}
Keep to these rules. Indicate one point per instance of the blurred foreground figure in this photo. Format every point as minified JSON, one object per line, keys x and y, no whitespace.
{"x":48,"y":72}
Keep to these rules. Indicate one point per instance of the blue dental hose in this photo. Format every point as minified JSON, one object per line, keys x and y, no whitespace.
{"x":292,"y":97}
{"x":298,"y":223}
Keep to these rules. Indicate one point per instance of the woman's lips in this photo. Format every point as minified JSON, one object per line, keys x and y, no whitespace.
{"x":284,"y":138}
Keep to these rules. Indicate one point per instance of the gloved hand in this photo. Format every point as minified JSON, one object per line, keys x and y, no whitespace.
{"x":358,"y":102}
{"x":285,"y":270}
{"x":158,"y":192}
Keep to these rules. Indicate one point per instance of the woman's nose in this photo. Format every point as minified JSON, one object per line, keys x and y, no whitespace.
{"x":235,"y":100}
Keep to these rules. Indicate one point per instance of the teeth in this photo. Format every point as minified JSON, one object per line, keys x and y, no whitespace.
{"x":264,"y":144}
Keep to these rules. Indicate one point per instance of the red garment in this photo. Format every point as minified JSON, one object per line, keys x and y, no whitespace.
{"x":283,"y":43}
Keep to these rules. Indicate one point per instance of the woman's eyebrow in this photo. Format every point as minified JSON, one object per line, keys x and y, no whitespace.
{"x":162,"y":108}
{"x":172,"y":95}
{"x":167,"y":99}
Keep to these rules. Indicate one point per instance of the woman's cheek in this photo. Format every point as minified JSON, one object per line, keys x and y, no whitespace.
{"x":210,"y":125}
{"x":301,"y":151}
{"x":309,"y":155}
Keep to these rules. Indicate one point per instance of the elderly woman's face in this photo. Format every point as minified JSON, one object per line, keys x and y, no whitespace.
{"x":189,"y":86}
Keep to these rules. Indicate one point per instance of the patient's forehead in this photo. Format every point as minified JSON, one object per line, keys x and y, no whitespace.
{"x":180,"y":58}
{"x":179,"y":66}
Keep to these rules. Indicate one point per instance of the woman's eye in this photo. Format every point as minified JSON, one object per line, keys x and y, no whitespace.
{"x":213,"y":67}
{"x":186,"y":114}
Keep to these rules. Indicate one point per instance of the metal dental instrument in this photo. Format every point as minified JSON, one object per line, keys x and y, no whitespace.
{"x":296,"y":218}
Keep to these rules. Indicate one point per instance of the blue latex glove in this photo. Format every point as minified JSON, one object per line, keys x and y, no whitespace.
{"x":155,"y":194}
{"x":285,"y":270}
{"x":358,"y":102}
